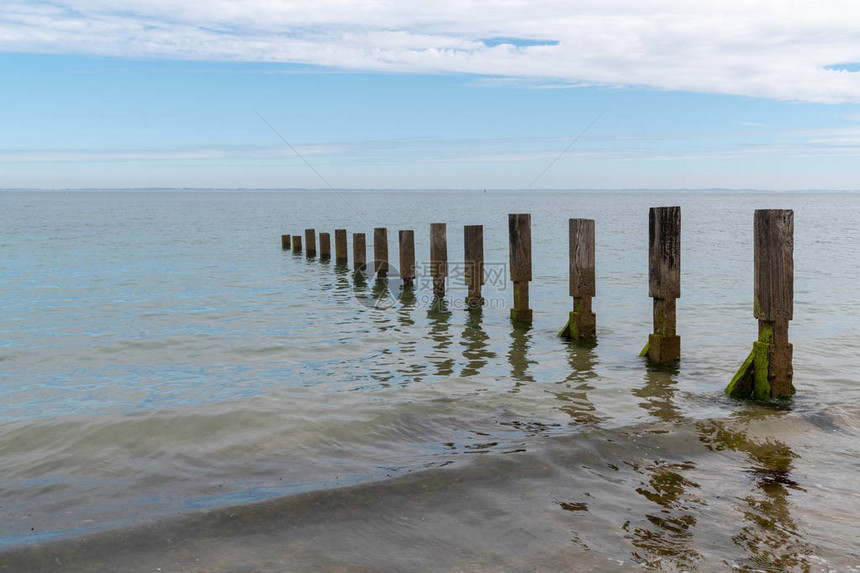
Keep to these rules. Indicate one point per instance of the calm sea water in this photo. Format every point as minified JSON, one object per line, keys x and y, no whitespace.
{"x":179,"y":394}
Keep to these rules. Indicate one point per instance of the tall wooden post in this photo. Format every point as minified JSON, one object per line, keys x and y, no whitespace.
{"x":359,"y":252}
{"x":325,"y":246}
{"x":438,"y":257}
{"x":582,"y":323}
{"x":311,"y":243}
{"x":297,"y":243}
{"x":473,"y":242}
{"x":340,"y":256}
{"x":664,"y":283}
{"x":380,"y":251}
{"x":285,"y":242}
{"x":407,"y":257}
{"x":520,"y":249}
{"x":768,"y":372}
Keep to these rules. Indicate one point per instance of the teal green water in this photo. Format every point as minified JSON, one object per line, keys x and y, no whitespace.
{"x":178,"y":390}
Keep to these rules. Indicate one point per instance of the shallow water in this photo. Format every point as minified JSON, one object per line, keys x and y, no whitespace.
{"x":176,"y":388}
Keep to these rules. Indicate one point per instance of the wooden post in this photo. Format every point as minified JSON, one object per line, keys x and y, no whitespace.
{"x":768,"y":372}
{"x":325,"y":246}
{"x":582,"y":324}
{"x":438,"y":257}
{"x":664,"y":283}
{"x":407,"y":257}
{"x":520,"y":249}
{"x":473,"y":240}
{"x":297,"y":243}
{"x":359,"y":252}
{"x":340,"y":256}
{"x":285,"y":242}
{"x":311,"y":240}
{"x":380,"y":251}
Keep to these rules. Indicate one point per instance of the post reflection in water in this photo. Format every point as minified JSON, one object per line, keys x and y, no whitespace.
{"x":518,"y":354}
{"x":410,"y":368}
{"x":341,"y":282}
{"x":666,"y":534}
{"x":769,"y":535}
{"x":476,"y":350}
{"x":439,"y":317}
{"x":574,"y":389}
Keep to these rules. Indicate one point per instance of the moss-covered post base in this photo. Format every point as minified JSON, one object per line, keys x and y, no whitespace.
{"x":664,"y":346}
{"x":521,"y":311}
{"x":767,"y":372}
{"x":582,"y":323}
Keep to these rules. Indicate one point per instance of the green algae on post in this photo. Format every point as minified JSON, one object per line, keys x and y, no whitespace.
{"x":664,"y":283}
{"x":581,"y":324}
{"x":520,"y":255}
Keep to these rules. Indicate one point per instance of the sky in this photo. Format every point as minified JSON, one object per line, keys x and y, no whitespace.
{"x":372,"y":94}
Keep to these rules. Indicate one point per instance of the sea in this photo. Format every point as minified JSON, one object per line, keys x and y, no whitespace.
{"x":179,"y":393}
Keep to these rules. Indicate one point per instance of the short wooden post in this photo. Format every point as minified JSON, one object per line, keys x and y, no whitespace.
{"x":311,"y":243}
{"x":359,"y":252}
{"x":297,"y":243}
{"x":438,"y":257}
{"x":340,"y":256}
{"x":407,"y":257}
{"x":325,"y":246}
{"x":285,"y":242}
{"x":520,"y":249}
{"x":473,"y":242}
{"x":582,"y":323}
{"x":768,"y":372}
{"x":664,"y":283}
{"x":380,"y":251}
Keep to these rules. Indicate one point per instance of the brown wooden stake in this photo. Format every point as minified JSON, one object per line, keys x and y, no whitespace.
{"x":380,"y":251}
{"x":582,"y":323}
{"x":340,"y":256}
{"x":359,"y":252}
{"x":438,"y":257}
{"x":325,"y":246}
{"x":768,"y":372}
{"x":664,"y":283}
{"x":407,"y":257}
{"x":311,"y":243}
{"x":473,"y":241}
{"x":520,"y":249}
{"x":297,"y":243}
{"x":285,"y":242}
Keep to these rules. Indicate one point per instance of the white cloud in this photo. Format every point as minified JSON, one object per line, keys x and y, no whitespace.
{"x":764,"y":48}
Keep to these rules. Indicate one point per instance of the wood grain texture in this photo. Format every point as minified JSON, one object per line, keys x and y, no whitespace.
{"x":407,"y":255}
{"x":520,"y":246}
{"x":340,"y":248}
{"x":473,"y":249}
{"x":438,"y":250}
{"x":359,"y":252}
{"x":664,"y":252}
{"x":774,"y":265}
{"x":581,"y":252}
{"x":325,"y":246}
{"x":380,"y":250}
{"x":310,"y":242}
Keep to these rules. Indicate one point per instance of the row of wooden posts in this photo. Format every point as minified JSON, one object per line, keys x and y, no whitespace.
{"x":766,"y":373}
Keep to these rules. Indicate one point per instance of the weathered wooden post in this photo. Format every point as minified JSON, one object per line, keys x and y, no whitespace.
{"x":340,"y":256}
{"x":407,"y":257}
{"x":520,"y":249}
{"x":380,"y":251}
{"x":438,"y":257}
{"x":473,"y":241}
{"x":664,"y":283}
{"x":767,"y":372}
{"x":359,"y":252}
{"x":285,"y":242}
{"x":325,"y":246}
{"x":297,"y":243}
{"x":581,"y":324}
{"x":311,"y":240}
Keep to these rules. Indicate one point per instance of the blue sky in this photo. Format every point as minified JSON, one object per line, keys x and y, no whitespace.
{"x":378,"y":95}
